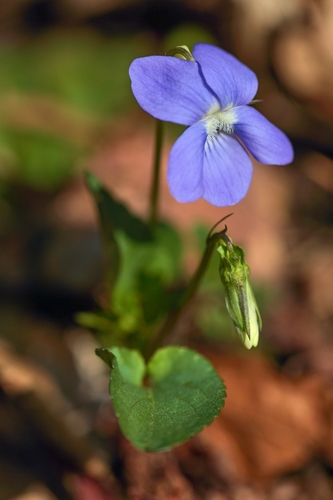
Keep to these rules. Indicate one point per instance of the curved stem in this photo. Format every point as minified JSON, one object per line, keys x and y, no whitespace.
{"x":154,"y":192}
{"x":189,"y":292}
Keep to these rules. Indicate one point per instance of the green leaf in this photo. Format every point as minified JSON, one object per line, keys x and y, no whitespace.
{"x":107,"y":227}
{"x":184,"y":394}
{"x":145,"y":288}
{"x":167,"y":258}
{"x":102,"y":321}
{"x":156,"y":300}
{"x":114,"y":215}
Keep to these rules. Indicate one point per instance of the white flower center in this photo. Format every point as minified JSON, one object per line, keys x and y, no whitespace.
{"x":220,"y":121}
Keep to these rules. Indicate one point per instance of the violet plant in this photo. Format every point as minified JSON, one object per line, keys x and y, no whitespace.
{"x":161,"y":394}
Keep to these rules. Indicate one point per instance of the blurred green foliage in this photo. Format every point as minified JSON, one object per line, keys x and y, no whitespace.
{"x":84,"y":70}
{"x":188,"y":34}
{"x":79,"y":71}
{"x":41,"y":160}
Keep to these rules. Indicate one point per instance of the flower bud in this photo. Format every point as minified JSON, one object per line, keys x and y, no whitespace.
{"x":182,"y":52}
{"x":240,"y":301}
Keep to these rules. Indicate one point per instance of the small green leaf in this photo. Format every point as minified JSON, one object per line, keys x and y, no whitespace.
{"x":101,"y":321}
{"x":107,"y":227}
{"x":114,"y":213}
{"x":113,"y":216}
{"x":184,"y":394}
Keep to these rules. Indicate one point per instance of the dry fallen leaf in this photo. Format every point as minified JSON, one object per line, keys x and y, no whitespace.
{"x":272,"y":424}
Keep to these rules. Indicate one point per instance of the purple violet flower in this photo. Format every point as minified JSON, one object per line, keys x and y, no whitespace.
{"x":210,"y":95}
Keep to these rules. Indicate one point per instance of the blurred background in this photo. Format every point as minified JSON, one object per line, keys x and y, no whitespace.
{"x":66,"y":107}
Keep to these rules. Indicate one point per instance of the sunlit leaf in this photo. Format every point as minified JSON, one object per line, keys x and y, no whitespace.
{"x":165,"y":402}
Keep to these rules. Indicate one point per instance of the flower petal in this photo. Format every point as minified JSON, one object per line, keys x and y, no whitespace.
{"x":265,"y":141}
{"x":171,"y":89}
{"x":227,"y":171}
{"x":233,"y":82}
{"x":186,"y":163}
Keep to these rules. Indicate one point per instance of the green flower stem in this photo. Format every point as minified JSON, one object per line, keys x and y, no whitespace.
{"x":154,"y":192}
{"x":189,"y":292}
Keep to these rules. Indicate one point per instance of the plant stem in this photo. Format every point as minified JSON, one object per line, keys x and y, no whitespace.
{"x":154,"y":192}
{"x":189,"y":292}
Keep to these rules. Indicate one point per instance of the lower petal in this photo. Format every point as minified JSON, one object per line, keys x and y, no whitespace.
{"x":186,"y":163}
{"x":227,"y":171}
{"x":265,"y":141}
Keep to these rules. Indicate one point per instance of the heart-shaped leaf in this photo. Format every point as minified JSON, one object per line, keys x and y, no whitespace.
{"x":165,"y":402}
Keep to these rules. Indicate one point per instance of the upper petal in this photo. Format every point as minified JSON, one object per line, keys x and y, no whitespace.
{"x":227,"y":171}
{"x":232,"y":81}
{"x":265,"y":141}
{"x":186,"y":163}
{"x":171,"y":89}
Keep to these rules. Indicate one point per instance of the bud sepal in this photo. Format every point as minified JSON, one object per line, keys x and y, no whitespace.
{"x":240,"y":301}
{"x":182,"y":52}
